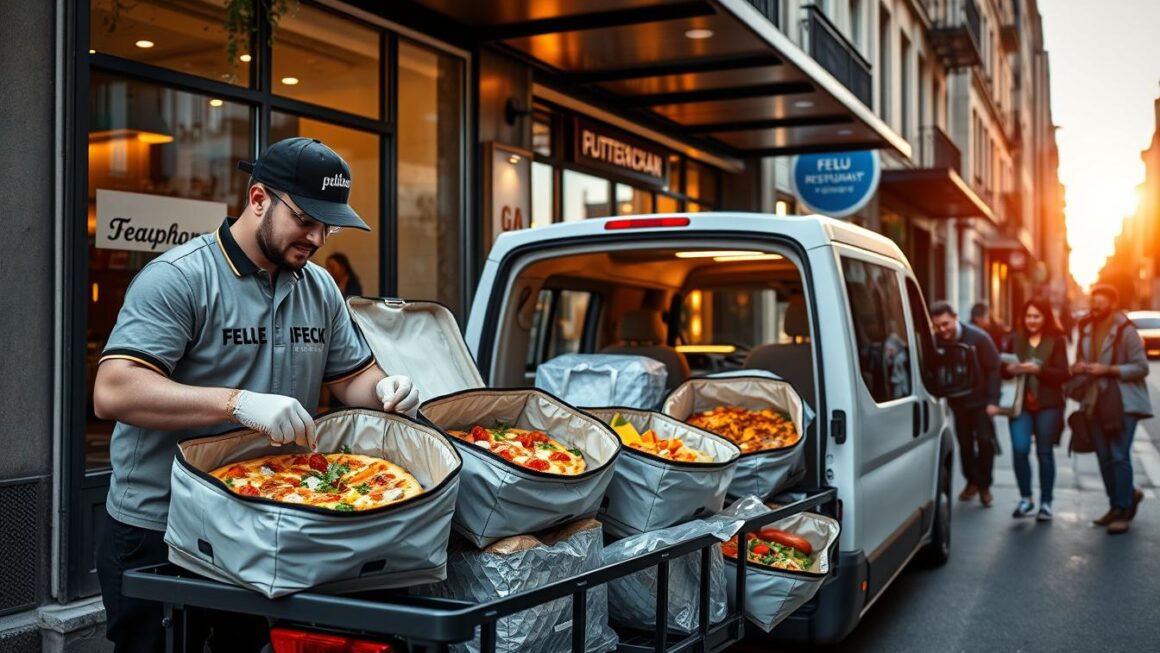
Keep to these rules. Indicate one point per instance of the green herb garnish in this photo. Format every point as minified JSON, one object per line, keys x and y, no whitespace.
{"x":362,"y":488}
{"x":344,"y":449}
{"x":343,"y":507}
{"x":546,"y":445}
{"x":576,"y":452}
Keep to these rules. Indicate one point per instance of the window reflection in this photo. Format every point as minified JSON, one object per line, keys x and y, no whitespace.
{"x":542,"y":192}
{"x":429,"y":182}
{"x":361,"y":151}
{"x":632,"y":201}
{"x":189,"y":36}
{"x":148,"y":139}
{"x":585,"y":196}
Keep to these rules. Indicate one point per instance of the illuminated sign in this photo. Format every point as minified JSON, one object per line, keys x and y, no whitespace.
{"x":621,"y":153}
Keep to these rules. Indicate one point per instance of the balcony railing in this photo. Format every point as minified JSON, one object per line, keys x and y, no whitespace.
{"x":837,"y":55}
{"x":956,"y":32}
{"x":939,"y":151}
{"x":770,"y":8}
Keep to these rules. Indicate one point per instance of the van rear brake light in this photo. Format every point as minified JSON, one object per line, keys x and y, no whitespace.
{"x":645,"y":223}
{"x":287,"y":640}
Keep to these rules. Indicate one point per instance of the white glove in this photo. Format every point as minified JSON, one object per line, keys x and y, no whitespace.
{"x":398,"y":394}
{"x":281,"y":418}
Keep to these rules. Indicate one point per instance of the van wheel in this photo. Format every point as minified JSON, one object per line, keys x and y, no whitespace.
{"x":938,"y":551}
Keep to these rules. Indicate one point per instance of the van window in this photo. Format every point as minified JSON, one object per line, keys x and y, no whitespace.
{"x":739,"y":316}
{"x":558,"y":324}
{"x":879,"y":322}
{"x":923,"y":332}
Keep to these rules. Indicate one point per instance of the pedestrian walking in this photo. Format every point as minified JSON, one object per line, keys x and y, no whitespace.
{"x":1041,"y":348}
{"x":232,"y":327}
{"x":974,"y":412}
{"x":1109,"y":383}
{"x":982,"y":318}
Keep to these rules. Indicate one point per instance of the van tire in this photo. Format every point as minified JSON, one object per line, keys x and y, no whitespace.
{"x":937,"y":552}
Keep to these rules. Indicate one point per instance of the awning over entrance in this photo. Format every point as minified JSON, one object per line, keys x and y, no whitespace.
{"x":936,"y":192}
{"x":719,"y":70}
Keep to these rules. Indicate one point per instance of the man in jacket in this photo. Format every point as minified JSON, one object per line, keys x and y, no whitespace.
{"x":974,"y":427}
{"x":1110,"y":351}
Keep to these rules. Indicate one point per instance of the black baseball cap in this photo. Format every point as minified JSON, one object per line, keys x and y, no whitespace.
{"x":311,"y":173}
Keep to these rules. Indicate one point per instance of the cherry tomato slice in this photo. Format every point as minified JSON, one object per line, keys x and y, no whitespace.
{"x":318,"y":462}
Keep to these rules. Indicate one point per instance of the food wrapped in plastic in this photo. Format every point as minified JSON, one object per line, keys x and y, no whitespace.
{"x":632,"y":599}
{"x":279,"y":548}
{"x":604,"y":380}
{"x":516,"y":564}
{"x":760,"y":471}
{"x":773,"y":594}
{"x":499,"y":498}
{"x":649,"y":492}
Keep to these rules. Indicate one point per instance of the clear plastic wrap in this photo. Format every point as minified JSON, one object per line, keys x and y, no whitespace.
{"x":524,"y":562}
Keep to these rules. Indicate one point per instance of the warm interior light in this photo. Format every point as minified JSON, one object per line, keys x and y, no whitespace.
{"x":290,"y":81}
{"x":749,"y":257}
{"x":706,"y":349}
{"x":803,"y":104}
{"x":96,"y":292}
{"x":626,"y":208}
{"x":695,"y":300}
{"x":144,"y":43}
{"x":245,"y":58}
{"x":698,"y":34}
{"x":714,"y":253}
{"x":216,"y":102}
{"x":92,"y":51}
{"x":153,"y":138}
{"x":514,"y":159}
{"x":781,"y":208}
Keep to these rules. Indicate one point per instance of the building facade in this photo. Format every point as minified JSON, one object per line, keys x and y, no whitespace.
{"x":462,"y":120}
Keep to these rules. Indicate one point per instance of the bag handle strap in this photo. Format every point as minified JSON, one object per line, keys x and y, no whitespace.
{"x":585,"y":368}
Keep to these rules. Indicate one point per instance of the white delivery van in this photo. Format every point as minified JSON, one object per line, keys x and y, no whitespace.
{"x":830,"y":307}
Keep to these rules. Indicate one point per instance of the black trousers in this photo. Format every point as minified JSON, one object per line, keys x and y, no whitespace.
{"x":134,"y":625}
{"x":975,"y":431}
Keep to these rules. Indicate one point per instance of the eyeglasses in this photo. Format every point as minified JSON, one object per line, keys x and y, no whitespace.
{"x":305,"y":221}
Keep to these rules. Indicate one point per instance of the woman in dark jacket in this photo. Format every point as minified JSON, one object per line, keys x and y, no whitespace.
{"x":1042,"y":351}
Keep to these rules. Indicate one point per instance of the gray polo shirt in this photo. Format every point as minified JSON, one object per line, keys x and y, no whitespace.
{"x":204,"y":314}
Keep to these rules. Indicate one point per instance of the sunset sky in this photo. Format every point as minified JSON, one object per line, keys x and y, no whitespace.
{"x":1105,"y":71}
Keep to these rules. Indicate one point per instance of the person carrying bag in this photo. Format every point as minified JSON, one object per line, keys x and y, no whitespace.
{"x":1042,"y":353}
{"x":1110,"y":368}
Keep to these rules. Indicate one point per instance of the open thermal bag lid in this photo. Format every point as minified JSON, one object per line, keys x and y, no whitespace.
{"x":650,"y":492}
{"x":278,"y":548}
{"x":762,"y":472}
{"x":499,"y":498}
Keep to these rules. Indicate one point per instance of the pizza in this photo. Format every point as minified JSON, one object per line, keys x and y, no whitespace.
{"x":340,"y":481}
{"x":648,"y":442}
{"x":750,"y":430}
{"x":526,"y":448}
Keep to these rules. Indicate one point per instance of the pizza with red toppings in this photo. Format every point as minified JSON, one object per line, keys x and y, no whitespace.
{"x":339,"y":481}
{"x":526,"y":448}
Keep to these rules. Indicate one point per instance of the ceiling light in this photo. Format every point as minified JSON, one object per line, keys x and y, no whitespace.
{"x":154,"y":138}
{"x":290,"y":81}
{"x":845,"y":132}
{"x":749,"y":257}
{"x":92,"y":51}
{"x":514,"y":159}
{"x":713,"y":253}
{"x":245,"y":58}
{"x":803,"y":104}
{"x":699,"y":34}
{"x":706,"y":349}
{"x":143,"y":43}
{"x":216,"y":102}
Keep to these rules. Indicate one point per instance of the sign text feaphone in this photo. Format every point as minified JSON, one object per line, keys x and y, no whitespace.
{"x":610,"y":150}
{"x":152,"y":223}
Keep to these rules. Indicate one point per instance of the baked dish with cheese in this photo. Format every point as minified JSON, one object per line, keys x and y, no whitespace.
{"x":340,"y":481}
{"x":526,"y":448}
{"x":750,"y":430}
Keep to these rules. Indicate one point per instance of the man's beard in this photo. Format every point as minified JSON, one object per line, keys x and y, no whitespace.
{"x":272,"y":254}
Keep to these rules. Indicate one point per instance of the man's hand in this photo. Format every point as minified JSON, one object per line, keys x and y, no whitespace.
{"x":281,"y":418}
{"x":992,"y":410}
{"x":398,"y":394}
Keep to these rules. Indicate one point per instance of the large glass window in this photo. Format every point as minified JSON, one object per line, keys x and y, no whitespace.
{"x":543,"y":191}
{"x":329,"y":60}
{"x":633,"y":201}
{"x":188,"y":36}
{"x":361,"y":152}
{"x":150,"y":140}
{"x":430,"y":180}
{"x":880,"y":328}
{"x":585,"y":196}
{"x":558,"y":324}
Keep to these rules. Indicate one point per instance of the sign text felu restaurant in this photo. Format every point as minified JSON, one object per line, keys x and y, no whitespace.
{"x":602,"y":147}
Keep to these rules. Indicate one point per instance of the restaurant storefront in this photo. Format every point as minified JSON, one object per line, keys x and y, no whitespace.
{"x":155,"y":101}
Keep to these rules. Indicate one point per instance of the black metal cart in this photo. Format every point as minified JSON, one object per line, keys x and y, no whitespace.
{"x":423,"y":625}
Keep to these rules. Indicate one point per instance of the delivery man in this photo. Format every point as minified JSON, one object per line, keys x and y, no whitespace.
{"x":233,"y":327}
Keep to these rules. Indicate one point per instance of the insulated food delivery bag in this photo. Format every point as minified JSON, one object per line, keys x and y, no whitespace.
{"x":650,"y":490}
{"x":604,"y":380}
{"x":503,"y":494}
{"x":277,"y":548}
{"x":764,"y":417}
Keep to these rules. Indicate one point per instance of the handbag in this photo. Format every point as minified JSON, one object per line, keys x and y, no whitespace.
{"x":1012,"y":391}
{"x":1081,"y":436}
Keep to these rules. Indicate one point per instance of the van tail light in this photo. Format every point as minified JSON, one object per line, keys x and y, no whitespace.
{"x":645,"y":223}
{"x":289,"y":640}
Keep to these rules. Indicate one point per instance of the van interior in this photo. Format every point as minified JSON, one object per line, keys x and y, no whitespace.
{"x":699,"y":310}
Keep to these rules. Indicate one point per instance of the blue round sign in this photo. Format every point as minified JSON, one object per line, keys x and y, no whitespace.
{"x":836,"y":184}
